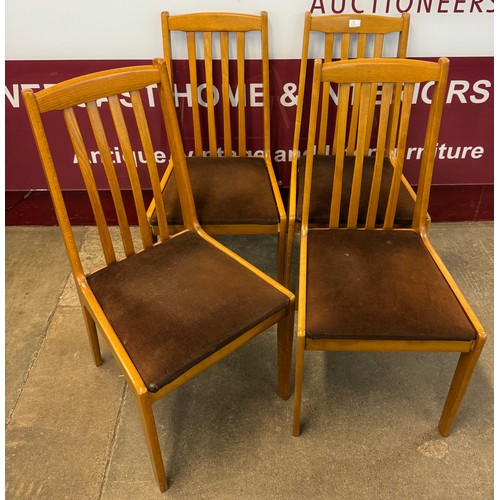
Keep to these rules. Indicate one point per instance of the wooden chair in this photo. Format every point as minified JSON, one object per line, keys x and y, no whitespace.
{"x":380,"y":289}
{"x":167,"y":310}
{"x":343,"y":36}
{"x":235,"y":189}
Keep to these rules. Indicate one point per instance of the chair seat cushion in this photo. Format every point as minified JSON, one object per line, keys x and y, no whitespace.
{"x":177,"y":303}
{"x":321,"y":191}
{"x":378,"y":285}
{"x":226,"y":190}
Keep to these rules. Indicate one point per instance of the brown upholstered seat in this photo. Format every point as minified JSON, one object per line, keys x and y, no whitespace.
{"x":379,"y":285}
{"x":230,"y":190}
{"x":147,"y":299}
{"x":322,"y":182}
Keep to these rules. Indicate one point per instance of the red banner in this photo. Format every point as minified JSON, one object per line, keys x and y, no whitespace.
{"x":464,"y":153}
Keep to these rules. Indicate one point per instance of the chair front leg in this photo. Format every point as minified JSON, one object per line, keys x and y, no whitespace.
{"x":148,"y":423}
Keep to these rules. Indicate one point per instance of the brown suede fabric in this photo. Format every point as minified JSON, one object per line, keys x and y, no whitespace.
{"x":378,"y":285}
{"x":177,"y":303}
{"x":321,"y":191}
{"x":226,"y":190}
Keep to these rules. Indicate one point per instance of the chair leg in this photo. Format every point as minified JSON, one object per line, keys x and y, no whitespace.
{"x":299,"y":371}
{"x":149,"y":426}
{"x":285,"y":347}
{"x":92,"y":335}
{"x":461,"y":378}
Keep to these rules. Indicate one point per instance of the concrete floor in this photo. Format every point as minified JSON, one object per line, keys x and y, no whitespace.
{"x":369,"y":420}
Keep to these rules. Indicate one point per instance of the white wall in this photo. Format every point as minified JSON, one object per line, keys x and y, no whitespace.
{"x":130,"y":29}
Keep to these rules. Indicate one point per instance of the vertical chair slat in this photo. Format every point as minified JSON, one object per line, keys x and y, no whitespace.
{"x":109,"y":169}
{"x":353,"y":126}
{"x":351,"y":142}
{"x":377,"y":52}
{"x":209,"y":79}
{"x":147,"y":145}
{"x":394,"y":117}
{"x":193,"y":78}
{"x":340,"y":132}
{"x":240,"y":55}
{"x":126,"y":147}
{"x":360,"y":54}
{"x":224,"y":49}
{"x":325,"y":97}
{"x":400,"y":152}
{"x":89,"y":180}
{"x":371,"y":115}
{"x":378,"y":45}
{"x":345,"y":45}
{"x":379,"y":158}
{"x":352,"y":219}
{"x":396,"y":103}
{"x":355,"y":107}
{"x":329,"y":46}
{"x":265,"y":83}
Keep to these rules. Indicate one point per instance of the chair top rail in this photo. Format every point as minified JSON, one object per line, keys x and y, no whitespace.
{"x":89,"y":88}
{"x":385,"y":70}
{"x":370,"y":23}
{"x":216,"y":21}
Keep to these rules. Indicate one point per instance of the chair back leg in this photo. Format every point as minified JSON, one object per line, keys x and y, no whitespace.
{"x":285,"y":344}
{"x":463,"y":373}
{"x":299,"y":371}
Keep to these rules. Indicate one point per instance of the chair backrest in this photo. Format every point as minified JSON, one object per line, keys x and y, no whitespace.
{"x":118,"y":126}
{"x":397,"y":79}
{"x":231,"y":82}
{"x":349,"y":36}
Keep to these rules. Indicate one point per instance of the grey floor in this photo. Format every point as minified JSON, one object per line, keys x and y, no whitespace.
{"x":369,"y":420}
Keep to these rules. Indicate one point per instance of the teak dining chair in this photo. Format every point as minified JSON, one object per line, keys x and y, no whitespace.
{"x":380,"y":289}
{"x":235,"y":188}
{"x":341,"y":37}
{"x":171,"y":309}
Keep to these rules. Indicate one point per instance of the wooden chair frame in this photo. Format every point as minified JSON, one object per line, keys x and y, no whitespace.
{"x":226,"y":23}
{"x":398,"y":71}
{"x":350,"y":28}
{"x":87,"y":89}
